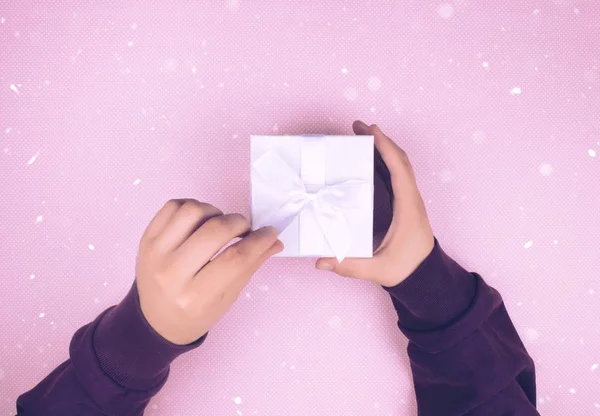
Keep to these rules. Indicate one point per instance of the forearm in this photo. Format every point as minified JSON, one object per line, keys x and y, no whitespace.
{"x":466,"y":356}
{"x":117,"y":364}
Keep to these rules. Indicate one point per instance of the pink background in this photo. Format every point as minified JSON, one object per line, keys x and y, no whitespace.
{"x":110,"y":108}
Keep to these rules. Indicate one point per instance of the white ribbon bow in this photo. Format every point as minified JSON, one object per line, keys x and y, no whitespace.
{"x":282,"y":190}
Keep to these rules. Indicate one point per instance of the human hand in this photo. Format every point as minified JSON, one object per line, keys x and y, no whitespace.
{"x":183,"y":293}
{"x":409,"y":239}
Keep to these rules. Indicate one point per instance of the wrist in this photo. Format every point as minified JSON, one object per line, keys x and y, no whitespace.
{"x":437,"y":292}
{"x":410,"y":260}
{"x":129,"y":350}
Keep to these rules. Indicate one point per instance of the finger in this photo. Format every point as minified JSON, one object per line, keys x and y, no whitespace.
{"x":219,"y":289}
{"x":396,"y":160}
{"x":237,"y":284}
{"x":367,"y":269}
{"x":161,"y":218}
{"x":188,"y":218}
{"x":205,"y":242}
{"x":241,"y":259}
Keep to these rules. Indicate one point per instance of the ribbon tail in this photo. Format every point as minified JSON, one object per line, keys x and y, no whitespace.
{"x":335,"y":229}
{"x":331,"y":207}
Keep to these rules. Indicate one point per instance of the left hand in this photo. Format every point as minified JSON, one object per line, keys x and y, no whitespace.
{"x":409,"y":239}
{"x":184,"y":289}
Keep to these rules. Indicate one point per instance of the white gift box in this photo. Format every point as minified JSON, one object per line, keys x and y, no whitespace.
{"x":317,"y":191}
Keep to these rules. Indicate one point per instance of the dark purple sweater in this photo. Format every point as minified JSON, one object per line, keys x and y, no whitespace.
{"x":465,"y":355}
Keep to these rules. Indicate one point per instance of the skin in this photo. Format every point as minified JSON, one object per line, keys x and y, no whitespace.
{"x":189,"y":274}
{"x":183,"y":293}
{"x":409,"y":239}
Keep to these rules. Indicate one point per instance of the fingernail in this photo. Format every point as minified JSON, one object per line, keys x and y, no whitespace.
{"x":325,"y":266}
{"x":278,"y":246}
{"x":270,"y":230}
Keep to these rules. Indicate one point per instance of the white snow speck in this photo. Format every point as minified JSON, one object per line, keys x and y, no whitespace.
{"x":597,"y":405}
{"x":515,"y":91}
{"x":238,"y":412}
{"x":40,"y":218}
{"x":478,"y":136}
{"x":446,"y":176}
{"x":91,"y":247}
{"x":445,"y":11}
{"x":350,"y":94}
{"x":232,"y":5}
{"x":335,"y":322}
{"x":130,"y":44}
{"x":14,"y":88}
{"x":591,"y":291}
{"x":2,"y":20}
{"x":137,"y":181}
{"x":7,"y":130}
{"x":528,"y":244}
{"x":374,"y":83}
{"x":536,"y":11}
{"x":33,"y":158}
{"x":42,"y":315}
{"x":590,"y":75}
{"x":594,"y":367}
{"x":532,"y":334}
{"x":31,"y":277}
{"x":194,"y":69}
{"x":170,"y":65}
{"x":592,"y":153}
{"x":545,"y":169}
{"x":237,"y":400}
{"x":372,"y":109}
{"x":96,"y":300}
{"x":344,"y":70}
{"x":572,"y":390}
{"x":485,"y":64}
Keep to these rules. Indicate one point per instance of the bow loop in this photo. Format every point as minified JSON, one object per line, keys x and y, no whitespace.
{"x":284,"y":194}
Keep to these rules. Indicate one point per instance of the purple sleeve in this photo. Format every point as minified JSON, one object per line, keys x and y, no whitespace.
{"x":117,"y":363}
{"x":466,"y":356}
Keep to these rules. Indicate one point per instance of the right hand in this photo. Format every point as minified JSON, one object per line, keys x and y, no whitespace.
{"x":183,"y":290}
{"x":409,"y":239}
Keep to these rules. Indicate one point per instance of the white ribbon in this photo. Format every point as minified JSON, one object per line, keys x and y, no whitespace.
{"x":280,"y":188}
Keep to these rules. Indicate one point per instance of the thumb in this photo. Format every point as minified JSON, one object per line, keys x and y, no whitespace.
{"x":351,"y":267}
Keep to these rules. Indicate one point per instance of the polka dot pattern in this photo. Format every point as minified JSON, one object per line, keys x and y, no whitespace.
{"x":108,"y":109}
